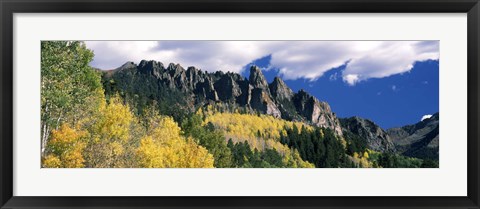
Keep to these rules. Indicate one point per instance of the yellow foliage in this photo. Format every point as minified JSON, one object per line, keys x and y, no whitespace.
{"x":294,"y":160}
{"x":115,"y":121}
{"x":51,"y":161}
{"x":66,"y":148}
{"x":164,"y":147}
{"x":362,"y":161}
{"x":365,"y":155}
{"x":245,"y":127}
{"x":165,"y":129}
{"x":112,"y":142}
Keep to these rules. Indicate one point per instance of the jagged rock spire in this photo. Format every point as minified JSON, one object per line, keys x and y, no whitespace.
{"x":257,"y":79}
{"x":280,"y":90}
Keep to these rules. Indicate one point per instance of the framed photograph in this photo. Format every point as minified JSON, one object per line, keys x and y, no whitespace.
{"x":234,"y":104}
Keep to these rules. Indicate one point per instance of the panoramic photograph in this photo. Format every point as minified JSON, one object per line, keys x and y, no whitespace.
{"x":239,"y":104}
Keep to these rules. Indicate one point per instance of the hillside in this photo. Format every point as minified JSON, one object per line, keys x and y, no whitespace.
{"x":419,"y":140}
{"x":375,"y":137}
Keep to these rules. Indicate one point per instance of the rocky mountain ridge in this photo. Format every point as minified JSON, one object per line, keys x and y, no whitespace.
{"x":376,"y":138}
{"x":419,"y":140}
{"x":254,"y":93}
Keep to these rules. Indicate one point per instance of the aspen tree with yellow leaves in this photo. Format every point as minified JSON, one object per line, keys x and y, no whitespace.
{"x":112,"y":139}
{"x":66,"y":148}
{"x":164,"y":147}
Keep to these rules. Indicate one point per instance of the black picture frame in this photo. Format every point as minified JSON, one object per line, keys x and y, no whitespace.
{"x":10,"y":7}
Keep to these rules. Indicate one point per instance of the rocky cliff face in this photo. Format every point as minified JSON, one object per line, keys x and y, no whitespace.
{"x":319,"y":113}
{"x":261,"y":99}
{"x":377,"y":139}
{"x":280,"y":90}
{"x":255,"y":94}
{"x":420,"y":140}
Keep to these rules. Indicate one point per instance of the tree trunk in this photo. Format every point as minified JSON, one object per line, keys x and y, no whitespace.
{"x":45,"y":135}
{"x":44,"y":130}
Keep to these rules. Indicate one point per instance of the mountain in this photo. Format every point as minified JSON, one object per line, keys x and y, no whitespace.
{"x":177,"y":90}
{"x":420,"y":140}
{"x":376,"y":138}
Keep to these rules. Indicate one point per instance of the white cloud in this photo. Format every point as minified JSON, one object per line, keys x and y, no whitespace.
{"x":207,"y":55}
{"x":295,"y":59}
{"x":426,"y":117}
{"x":390,"y":58}
{"x":351,"y":79}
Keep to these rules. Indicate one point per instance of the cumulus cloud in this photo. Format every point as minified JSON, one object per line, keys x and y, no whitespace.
{"x":425,"y":117}
{"x":382,"y":59}
{"x":294,"y":59}
{"x":351,"y":79}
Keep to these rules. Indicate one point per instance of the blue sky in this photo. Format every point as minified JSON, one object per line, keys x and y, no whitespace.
{"x":391,"y":101}
{"x":393,"y":83}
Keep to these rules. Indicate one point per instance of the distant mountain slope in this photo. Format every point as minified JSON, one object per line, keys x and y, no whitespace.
{"x":420,"y":140}
{"x":177,"y":90}
{"x":376,"y":138}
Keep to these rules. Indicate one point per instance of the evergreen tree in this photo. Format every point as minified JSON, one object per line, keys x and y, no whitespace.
{"x":208,"y":137}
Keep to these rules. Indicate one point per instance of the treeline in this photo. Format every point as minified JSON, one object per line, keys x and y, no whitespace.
{"x":142,"y":91}
{"x":244,"y":157}
{"x":319,"y":146}
{"x":239,"y":154}
{"x":260,"y":132}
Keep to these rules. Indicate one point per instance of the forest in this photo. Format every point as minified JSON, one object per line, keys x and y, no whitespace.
{"x":89,"y":121}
